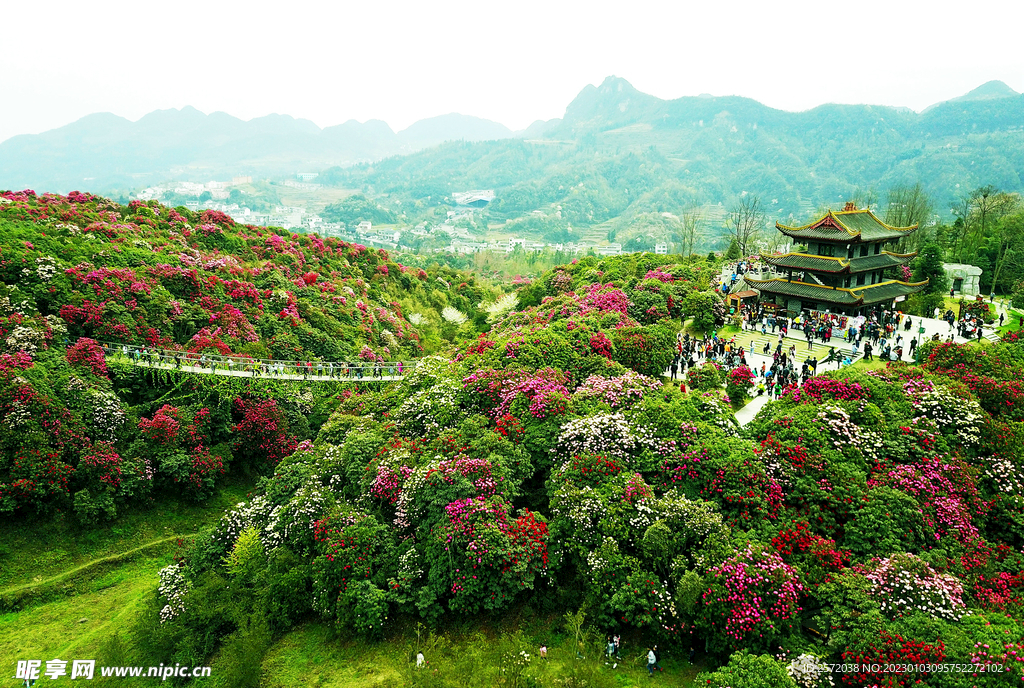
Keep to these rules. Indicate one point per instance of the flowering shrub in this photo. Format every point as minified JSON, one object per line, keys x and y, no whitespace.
{"x":705,"y":377}
{"x":873,"y":656}
{"x":809,"y":671}
{"x":495,"y":554}
{"x":263,"y":437}
{"x":904,"y":584}
{"x":172,"y":589}
{"x":88,"y":354}
{"x":738,"y":382}
{"x":174,"y":447}
{"x":605,"y":433}
{"x":617,"y":391}
{"x":752,"y":600}
{"x":820,"y":387}
{"x":601,"y":345}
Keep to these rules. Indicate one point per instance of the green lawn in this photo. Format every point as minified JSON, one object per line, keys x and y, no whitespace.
{"x":309,"y":656}
{"x":24,"y":559}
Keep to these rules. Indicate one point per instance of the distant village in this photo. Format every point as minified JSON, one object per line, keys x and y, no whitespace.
{"x":461,"y":239}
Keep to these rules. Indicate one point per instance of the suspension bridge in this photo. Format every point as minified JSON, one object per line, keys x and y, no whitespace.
{"x":245,"y":367}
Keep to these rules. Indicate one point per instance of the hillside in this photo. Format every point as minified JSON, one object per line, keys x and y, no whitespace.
{"x":79,"y":271}
{"x":861,"y":517}
{"x":535,"y":482}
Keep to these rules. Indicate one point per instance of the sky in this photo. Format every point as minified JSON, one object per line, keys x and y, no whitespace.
{"x":512,"y":62}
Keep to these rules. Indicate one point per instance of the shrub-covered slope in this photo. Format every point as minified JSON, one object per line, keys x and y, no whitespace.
{"x":75,"y":271}
{"x":865,"y":518}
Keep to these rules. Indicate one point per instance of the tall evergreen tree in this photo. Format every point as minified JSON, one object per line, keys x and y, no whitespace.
{"x":928,"y":266}
{"x":734,"y":250}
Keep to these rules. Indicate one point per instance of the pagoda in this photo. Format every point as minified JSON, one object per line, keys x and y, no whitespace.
{"x":843,"y":268}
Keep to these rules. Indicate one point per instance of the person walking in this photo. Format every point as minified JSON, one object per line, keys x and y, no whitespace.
{"x":913,"y":346}
{"x":652,"y":661}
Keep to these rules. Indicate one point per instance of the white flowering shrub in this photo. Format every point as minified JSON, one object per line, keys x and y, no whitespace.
{"x":46,"y":268}
{"x":903,"y":584}
{"x":810,"y":672}
{"x":107,"y":415}
{"x":293,"y":522}
{"x":606,"y":433}
{"x":843,"y":432}
{"x":454,"y":315}
{"x":25,"y":339}
{"x":256,"y":514}
{"x":504,"y":304}
{"x":428,"y":371}
{"x":962,"y":417}
{"x":17,"y":415}
{"x":1004,"y":473}
{"x":172,"y":589}
{"x":429,"y":411}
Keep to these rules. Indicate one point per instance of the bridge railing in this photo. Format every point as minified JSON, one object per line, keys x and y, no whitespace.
{"x":167,"y":358}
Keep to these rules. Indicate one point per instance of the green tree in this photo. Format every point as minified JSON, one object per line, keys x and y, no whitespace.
{"x":734,"y":250}
{"x":928,"y":266}
{"x":1007,"y":241}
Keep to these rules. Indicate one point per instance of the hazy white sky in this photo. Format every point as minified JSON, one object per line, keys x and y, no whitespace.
{"x":513,"y":62}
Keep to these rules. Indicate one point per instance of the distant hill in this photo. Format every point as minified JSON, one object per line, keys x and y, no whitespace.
{"x":987,"y":91}
{"x":104,"y":151}
{"x":632,"y":152}
{"x":619,"y":155}
{"x":452,"y":127}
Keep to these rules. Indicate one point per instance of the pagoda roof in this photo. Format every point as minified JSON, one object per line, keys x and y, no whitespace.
{"x":851,"y":226}
{"x":856,"y":296}
{"x":812,"y":263}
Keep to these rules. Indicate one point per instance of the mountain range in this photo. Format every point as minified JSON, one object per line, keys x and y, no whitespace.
{"x":103,"y":151}
{"x":719,"y":146}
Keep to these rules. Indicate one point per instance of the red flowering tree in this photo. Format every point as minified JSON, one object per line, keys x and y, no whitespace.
{"x":482,"y":556}
{"x":262,"y":432}
{"x":873,"y":655}
{"x":174,"y":446}
{"x":737,"y":384}
{"x":87,"y":353}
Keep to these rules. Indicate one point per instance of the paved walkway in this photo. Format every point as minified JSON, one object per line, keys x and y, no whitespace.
{"x":747,"y":413}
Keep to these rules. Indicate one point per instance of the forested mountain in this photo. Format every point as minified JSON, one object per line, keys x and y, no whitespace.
{"x":619,"y":152}
{"x":632,"y":152}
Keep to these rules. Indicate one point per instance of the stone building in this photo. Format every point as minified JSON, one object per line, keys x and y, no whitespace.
{"x":964,"y":279}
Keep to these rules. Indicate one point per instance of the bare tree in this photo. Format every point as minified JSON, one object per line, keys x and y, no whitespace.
{"x":1008,"y":239}
{"x":692,"y":220}
{"x":906,"y":206}
{"x":746,"y":222}
{"x":865,"y":198}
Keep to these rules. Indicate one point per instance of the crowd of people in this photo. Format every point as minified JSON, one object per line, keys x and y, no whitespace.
{"x":154,"y":357}
{"x":881,"y":334}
